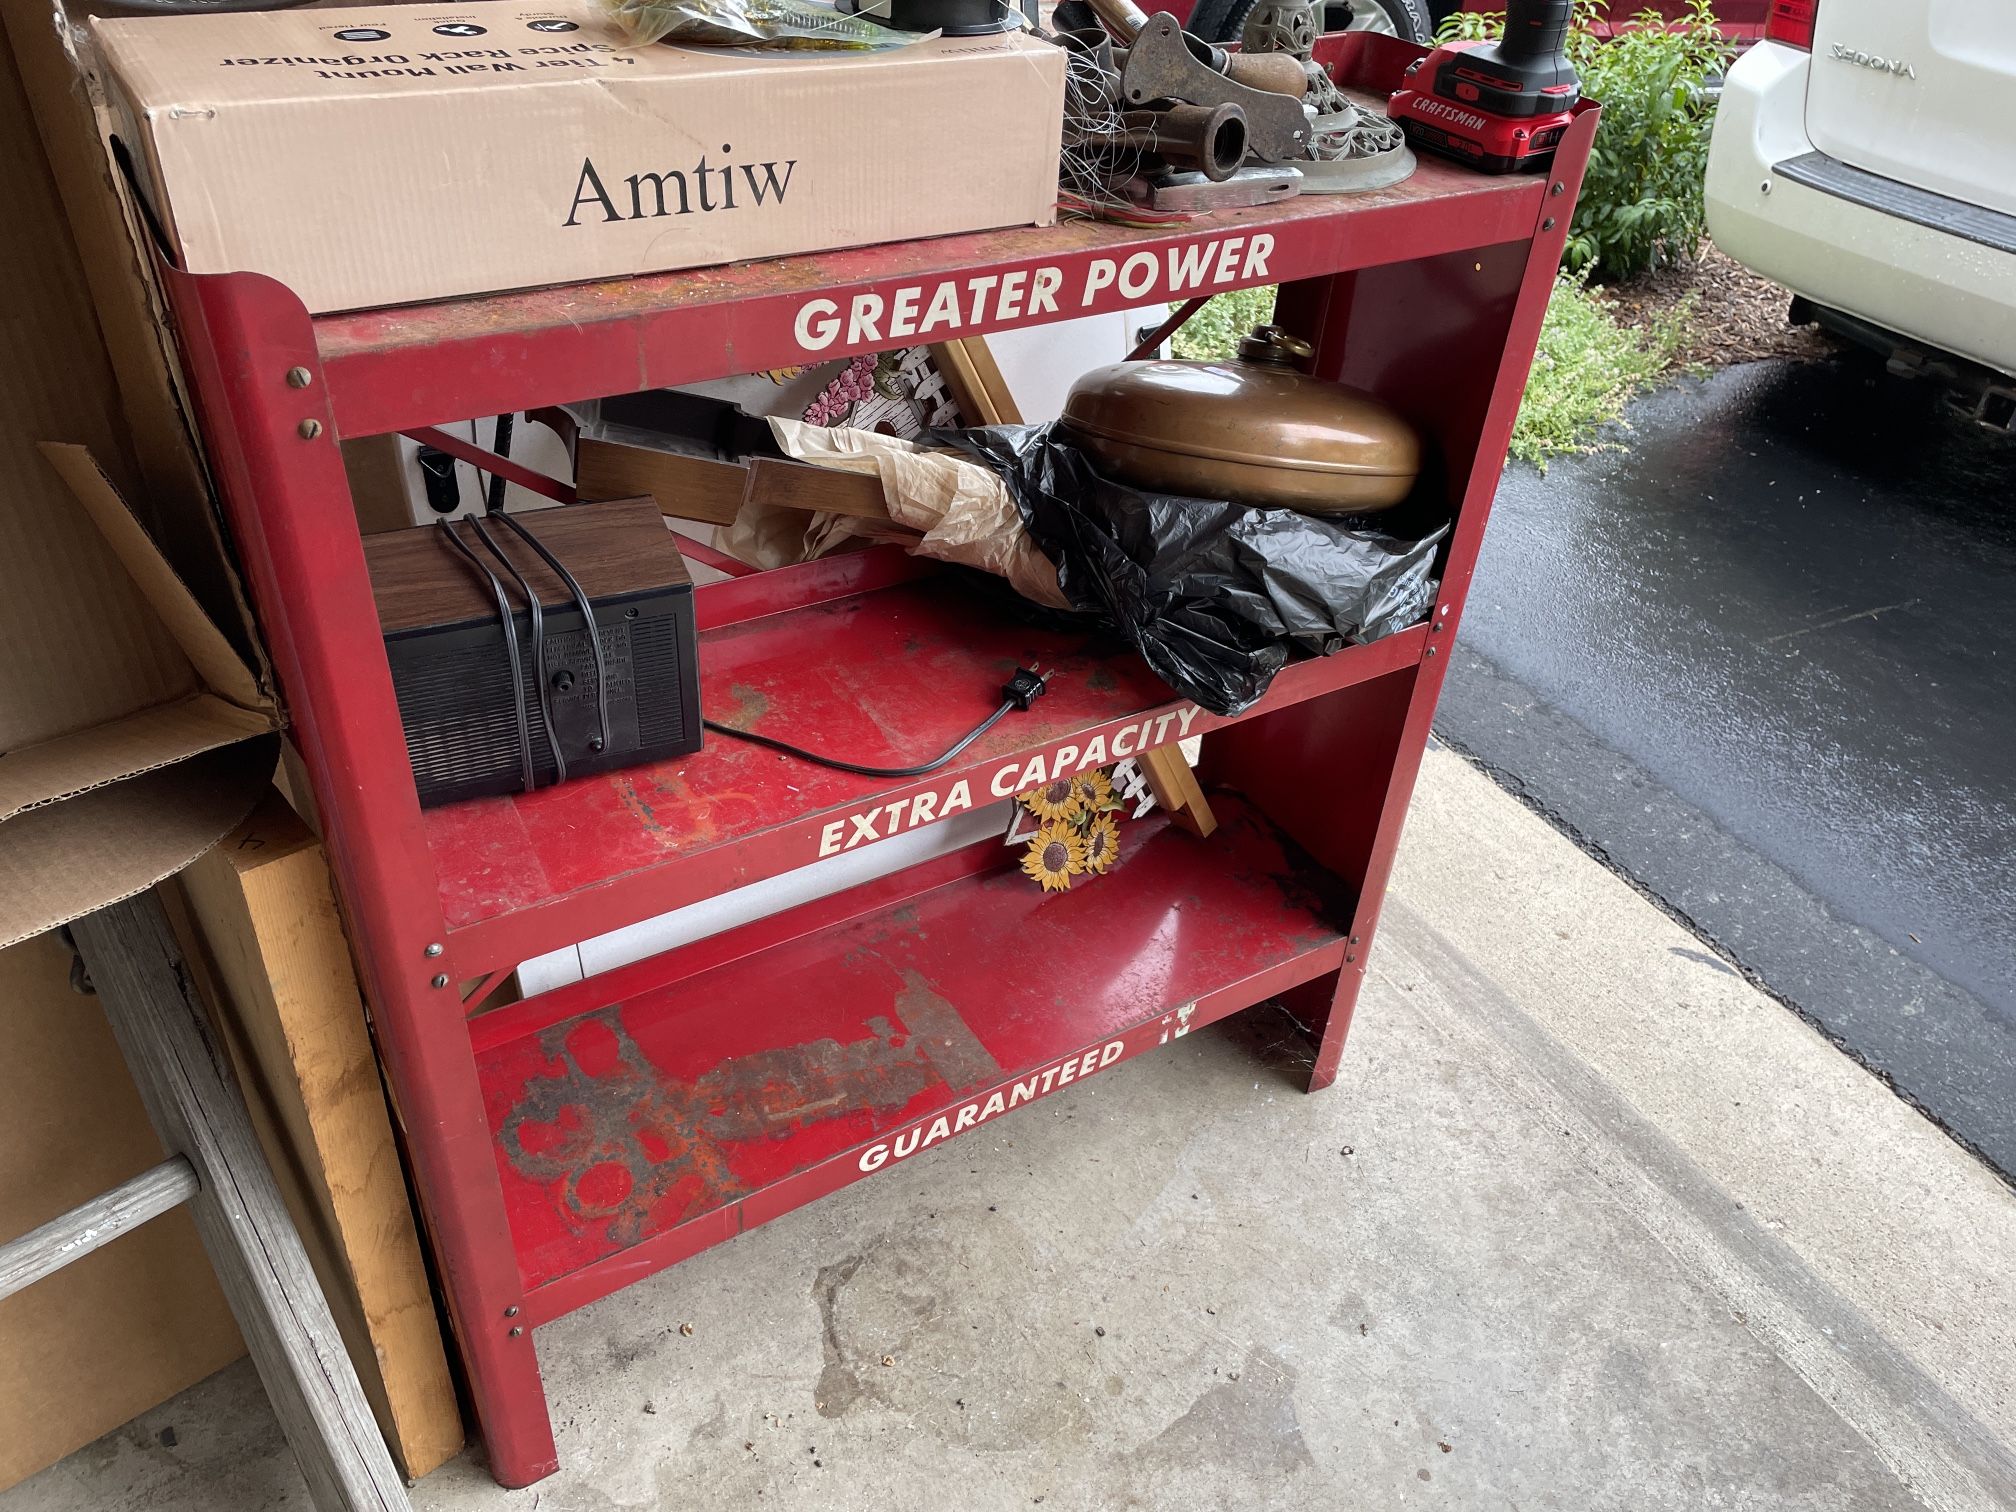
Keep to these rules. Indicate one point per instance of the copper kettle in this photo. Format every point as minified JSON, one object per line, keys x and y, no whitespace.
{"x":1257,"y":430}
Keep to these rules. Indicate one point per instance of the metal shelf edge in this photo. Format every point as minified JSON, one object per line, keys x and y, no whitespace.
{"x":617,"y":902}
{"x":391,"y":370}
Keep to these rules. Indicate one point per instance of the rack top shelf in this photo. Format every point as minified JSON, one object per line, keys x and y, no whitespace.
{"x":393,"y":369}
{"x":1489,"y":206}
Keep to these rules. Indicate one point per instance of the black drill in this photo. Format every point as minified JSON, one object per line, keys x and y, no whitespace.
{"x":1499,"y":106}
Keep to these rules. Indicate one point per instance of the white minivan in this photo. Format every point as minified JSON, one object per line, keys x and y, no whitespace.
{"x":1865,"y":157}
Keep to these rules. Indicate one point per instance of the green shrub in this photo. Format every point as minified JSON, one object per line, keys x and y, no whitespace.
{"x":1213,"y":333}
{"x":1586,"y":368}
{"x":1641,"y":202}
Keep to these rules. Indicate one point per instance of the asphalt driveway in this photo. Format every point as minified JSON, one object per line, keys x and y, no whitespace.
{"x":1764,"y":664}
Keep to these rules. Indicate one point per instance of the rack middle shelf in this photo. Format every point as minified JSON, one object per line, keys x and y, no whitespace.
{"x":876,"y":657}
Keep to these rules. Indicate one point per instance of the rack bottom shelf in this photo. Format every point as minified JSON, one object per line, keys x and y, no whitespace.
{"x":643,"y":1130}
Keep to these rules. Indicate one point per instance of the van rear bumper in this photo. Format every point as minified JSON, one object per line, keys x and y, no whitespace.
{"x":1935,"y":270}
{"x":1816,"y":170}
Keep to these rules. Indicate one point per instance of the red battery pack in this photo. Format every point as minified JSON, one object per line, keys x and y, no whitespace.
{"x":1493,"y":143}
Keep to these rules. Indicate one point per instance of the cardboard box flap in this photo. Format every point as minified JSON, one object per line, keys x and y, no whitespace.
{"x":73,"y":764}
{"x":82,"y":643}
{"x":200,"y":640}
{"x":63,"y":860}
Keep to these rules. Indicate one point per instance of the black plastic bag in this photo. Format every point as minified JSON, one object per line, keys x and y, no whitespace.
{"x":1215,"y":596}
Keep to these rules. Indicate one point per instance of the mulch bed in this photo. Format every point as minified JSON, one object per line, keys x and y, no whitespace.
{"x":1739,"y":316}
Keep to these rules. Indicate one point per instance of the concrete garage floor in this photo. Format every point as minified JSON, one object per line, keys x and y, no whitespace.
{"x":1587,"y":1223}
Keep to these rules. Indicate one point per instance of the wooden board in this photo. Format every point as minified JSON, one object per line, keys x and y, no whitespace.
{"x":375,"y":468}
{"x":122,"y":1330}
{"x":269,"y":942}
{"x":687,"y":488}
{"x":700,"y":488}
{"x":804,"y":485}
{"x":976,"y":382}
{"x":1176,"y":788}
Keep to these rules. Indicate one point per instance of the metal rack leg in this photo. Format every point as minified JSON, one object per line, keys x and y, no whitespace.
{"x":140,"y":978}
{"x":250,"y":352}
{"x":1460,"y":376}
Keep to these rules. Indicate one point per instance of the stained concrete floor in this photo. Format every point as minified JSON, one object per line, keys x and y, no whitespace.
{"x":1586,"y":1223}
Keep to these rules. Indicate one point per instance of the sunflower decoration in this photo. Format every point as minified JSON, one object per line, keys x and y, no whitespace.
{"x":1056,"y":855}
{"x":1102,"y":843}
{"x":1077,"y":830}
{"x":1059,"y":802}
{"x":1095,"y":788}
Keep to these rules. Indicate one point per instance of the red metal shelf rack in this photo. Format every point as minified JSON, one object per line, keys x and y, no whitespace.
{"x":568,"y":1144}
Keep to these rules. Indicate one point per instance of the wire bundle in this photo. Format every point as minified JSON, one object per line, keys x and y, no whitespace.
{"x":1091,"y":168}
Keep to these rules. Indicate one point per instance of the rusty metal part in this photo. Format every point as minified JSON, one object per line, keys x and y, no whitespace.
{"x":1209,"y":138}
{"x":1167,"y":64}
{"x":1127,"y":21}
{"x":1123,"y":17}
{"x":1288,"y":28}
{"x":1281,"y":26}
{"x":1258,"y":430}
{"x":1260,"y":184}
{"x":1091,"y":87}
{"x":1277,"y":73}
{"x":1095,"y":44}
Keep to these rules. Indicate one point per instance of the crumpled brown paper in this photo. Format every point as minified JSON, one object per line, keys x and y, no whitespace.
{"x":961,"y":509}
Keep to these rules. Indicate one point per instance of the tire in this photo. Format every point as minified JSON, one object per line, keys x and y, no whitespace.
{"x":1409,"y":19}
{"x":1223,"y":20}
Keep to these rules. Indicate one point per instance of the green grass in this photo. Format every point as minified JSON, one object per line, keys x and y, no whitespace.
{"x":1587,"y":367}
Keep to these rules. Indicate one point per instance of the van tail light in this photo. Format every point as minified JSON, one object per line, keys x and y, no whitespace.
{"x":1791,"y":22}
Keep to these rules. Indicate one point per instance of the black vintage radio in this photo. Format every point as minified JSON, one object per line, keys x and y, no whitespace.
{"x":529,"y":648}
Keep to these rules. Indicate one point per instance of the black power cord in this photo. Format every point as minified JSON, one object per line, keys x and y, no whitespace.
{"x":1019,"y":692}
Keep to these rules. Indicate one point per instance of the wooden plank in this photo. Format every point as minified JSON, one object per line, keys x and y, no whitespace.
{"x":125,"y":1329}
{"x":1176,"y":789}
{"x":700,"y":488}
{"x":687,"y":488}
{"x":71,"y":1236}
{"x":375,"y":467}
{"x":976,"y":382}
{"x":801,"y":485}
{"x":273,"y":947}
{"x":137,"y":969}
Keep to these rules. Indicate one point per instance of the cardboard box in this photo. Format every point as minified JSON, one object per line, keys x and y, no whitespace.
{"x":115,"y":389}
{"x":381,"y":156}
{"x":131,"y":735}
{"x":94,"y":685}
{"x":132,"y":732}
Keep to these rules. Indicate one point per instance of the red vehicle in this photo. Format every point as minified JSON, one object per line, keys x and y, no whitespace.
{"x":1416,"y":20}
{"x":1741,"y":19}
